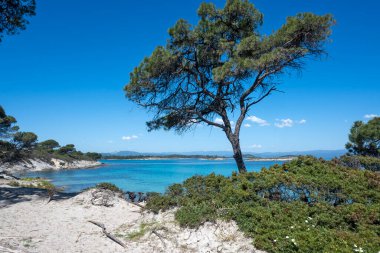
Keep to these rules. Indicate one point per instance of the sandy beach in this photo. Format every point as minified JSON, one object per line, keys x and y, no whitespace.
{"x":30,"y":224}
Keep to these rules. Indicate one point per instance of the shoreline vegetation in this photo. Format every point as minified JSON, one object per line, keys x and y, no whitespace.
{"x":21,"y":151}
{"x":182,"y":219}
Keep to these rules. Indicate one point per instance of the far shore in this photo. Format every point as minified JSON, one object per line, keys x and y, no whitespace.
{"x":271,"y":159}
{"x":274,"y":159}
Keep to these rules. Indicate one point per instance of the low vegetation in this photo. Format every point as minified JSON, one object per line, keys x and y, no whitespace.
{"x":109,"y":186}
{"x":306,"y":205}
{"x":39,"y":183}
{"x":360,"y":162}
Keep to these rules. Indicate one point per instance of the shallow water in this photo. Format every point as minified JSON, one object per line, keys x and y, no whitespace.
{"x":143,"y":175}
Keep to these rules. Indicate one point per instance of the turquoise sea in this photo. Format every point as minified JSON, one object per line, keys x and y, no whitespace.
{"x":143,"y":175}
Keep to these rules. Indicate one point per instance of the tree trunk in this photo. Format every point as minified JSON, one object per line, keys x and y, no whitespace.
{"x":238,"y":156}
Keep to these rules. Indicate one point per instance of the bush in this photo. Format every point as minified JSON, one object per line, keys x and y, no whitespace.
{"x":360,"y":162}
{"x":109,"y":186}
{"x":306,"y":205}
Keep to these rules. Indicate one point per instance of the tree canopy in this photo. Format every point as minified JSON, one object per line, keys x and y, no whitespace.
{"x":49,"y":145}
{"x":68,"y":149}
{"x":25,"y":140}
{"x":7,"y":125}
{"x":364,"y":138}
{"x":222,"y":66}
{"x":13,"y":15}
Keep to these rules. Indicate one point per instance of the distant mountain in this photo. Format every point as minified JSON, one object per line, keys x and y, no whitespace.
{"x":326,"y":154}
{"x":122,"y":153}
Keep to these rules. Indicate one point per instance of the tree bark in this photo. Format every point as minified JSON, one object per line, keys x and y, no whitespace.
{"x":238,"y":156}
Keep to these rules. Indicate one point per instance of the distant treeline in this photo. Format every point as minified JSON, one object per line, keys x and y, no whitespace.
{"x":16,"y":145}
{"x":179,"y":156}
{"x":138,"y":157}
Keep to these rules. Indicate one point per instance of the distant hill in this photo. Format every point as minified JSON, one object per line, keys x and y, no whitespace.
{"x":326,"y":154}
{"x":122,"y":153}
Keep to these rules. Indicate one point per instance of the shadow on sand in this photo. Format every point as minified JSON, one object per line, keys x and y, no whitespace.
{"x":10,"y":196}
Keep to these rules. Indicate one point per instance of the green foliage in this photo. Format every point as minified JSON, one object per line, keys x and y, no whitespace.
{"x":68,"y":149}
{"x":186,"y":81}
{"x":7,"y":151}
{"x":14,"y":183}
{"x":44,"y":184}
{"x":306,"y":205}
{"x":360,"y":162}
{"x":13,"y":15}
{"x":109,"y":186}
{"x":144,"y":228}
{"x":222,"y":66}
{"x":364,"y":138}
{"x":7,"y":125}
{"x":48,"y":145}
{"x":25,"y":140}
{"x":194,"y":215}
{"x":93,"y":156}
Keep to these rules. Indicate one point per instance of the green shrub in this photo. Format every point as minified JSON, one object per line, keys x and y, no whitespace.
{"x":306,"y":205}
{"x":157,"y":202}
{"x":14,"y":183}
{"x":194,"y":215}
{"x":109,"y":186}
{"x":360,"y":162}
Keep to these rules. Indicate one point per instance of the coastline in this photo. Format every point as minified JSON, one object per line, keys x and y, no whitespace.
{"x":33,"y":165}
{"x":202,"y":159}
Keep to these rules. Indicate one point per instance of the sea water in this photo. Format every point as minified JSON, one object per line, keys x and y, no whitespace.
{"x":144,"y":175}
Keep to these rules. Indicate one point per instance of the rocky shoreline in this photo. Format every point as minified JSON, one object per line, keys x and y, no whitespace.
{"x":30,"y":165}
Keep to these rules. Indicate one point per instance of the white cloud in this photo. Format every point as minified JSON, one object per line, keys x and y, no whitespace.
{"x":219,"y":121}
{"x":370,"y":116}
{"x":284,"y":123}
{"x":302,"y":121}
{"x":289,"y":122}
{"x":247,"y":125}
{"x":128,"y":138}
{"x":256,"y":146}
{"x":260,"y":122}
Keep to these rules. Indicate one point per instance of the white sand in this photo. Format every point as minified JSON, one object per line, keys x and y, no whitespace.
{"x":29,"y":224}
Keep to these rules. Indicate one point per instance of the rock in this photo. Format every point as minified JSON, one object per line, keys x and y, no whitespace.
{"x":98,"y":197}
{"x":53,"y":164}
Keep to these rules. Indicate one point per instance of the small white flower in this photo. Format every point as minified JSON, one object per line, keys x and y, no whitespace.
{"x":306,"y":221}
{"x":287,"y":237}
{"x":355,"y":246}
{"x":309,"y":218}
{"x":274,"y":240}
{"x":361,"y":250}
{"x":292,"y":227}
{"x":313,"y":226}
{"x":293,"y":240}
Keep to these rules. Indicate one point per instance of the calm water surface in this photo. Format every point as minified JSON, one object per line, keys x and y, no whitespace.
{"x":143,"y":175}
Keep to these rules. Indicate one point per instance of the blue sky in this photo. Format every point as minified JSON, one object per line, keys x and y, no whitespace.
{"x":63,"y":77}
